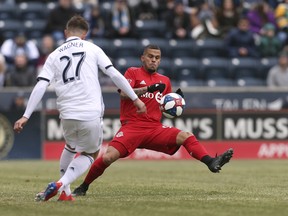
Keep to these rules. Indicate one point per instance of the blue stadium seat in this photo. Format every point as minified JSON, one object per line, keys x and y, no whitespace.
{"x":165,"y":67}
{"x":105,"y":44}
{"x":245,"y":67}
{"x":161,"y":42}
{"x":126,"y":47}
{"x":224,"y":82}
{"x":10,"y":28}
{"x":32,"y":10}
{"x":186,"y":68}
{"x":34,"y":28}
{"x":150,"y":28}
{"x":250,"y":81}
{"x":266,"y":65}
{"x":122,"y":64}
{"x":191,"y":83}
{"x":215,"y":67}
{"x":211,"y":47}
{"x":182,"y":48}
{"x":7,"y":11}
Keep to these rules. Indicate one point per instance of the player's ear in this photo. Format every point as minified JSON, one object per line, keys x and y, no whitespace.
{"x":83,"y":35}
{"x":66,"y":33}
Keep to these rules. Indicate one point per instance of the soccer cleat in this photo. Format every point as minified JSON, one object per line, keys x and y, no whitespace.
{"x":80,"y":191}
{"x":51,"y":190}
{"x":39,"y":196}
{"x":221,"y":160}
{"x":64,"y":197}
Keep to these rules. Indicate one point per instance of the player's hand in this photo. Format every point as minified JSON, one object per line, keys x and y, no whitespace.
{"x":156,"y":87}
{"x":19,"y":124}
{"x":141,"y":107}
{"x":179,"y":91}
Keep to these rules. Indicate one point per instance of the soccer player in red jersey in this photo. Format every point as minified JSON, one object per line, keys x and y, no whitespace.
{"x":146,"y":130}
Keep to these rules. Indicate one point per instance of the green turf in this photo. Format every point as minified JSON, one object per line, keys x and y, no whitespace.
{"x":148,"y":188}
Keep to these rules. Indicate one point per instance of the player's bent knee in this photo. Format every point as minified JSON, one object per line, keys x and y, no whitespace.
{"x":182,"y":136}
{"x":109,"y":158}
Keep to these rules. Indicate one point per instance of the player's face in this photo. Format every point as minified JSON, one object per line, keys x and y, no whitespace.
{"x":151,"y":59}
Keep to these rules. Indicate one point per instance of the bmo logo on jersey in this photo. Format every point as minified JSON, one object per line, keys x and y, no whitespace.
{"x":150,"y":95}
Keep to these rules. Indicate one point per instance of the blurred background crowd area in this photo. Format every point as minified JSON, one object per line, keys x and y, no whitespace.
{"x":203,"y":42}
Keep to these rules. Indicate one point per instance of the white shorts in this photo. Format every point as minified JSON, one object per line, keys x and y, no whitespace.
{"x":83,"y":136}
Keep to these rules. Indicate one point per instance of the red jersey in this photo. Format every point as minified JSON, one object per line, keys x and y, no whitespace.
{"x":138,"y":77}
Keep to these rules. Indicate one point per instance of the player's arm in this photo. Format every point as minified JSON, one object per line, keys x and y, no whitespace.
{"x":140,"y":91}
{"x":34,"y":99}
{"x":120,"y":81}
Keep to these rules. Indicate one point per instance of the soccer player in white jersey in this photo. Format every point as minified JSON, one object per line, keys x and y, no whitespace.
{"x":73,"y":68}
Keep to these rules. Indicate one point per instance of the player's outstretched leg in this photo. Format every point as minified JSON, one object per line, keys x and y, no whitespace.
{"x":81,"y":190}
{"x":221,"y":160}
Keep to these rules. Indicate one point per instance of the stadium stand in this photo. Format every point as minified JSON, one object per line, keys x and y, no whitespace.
{"x":245,"y":67}
{"x":126,"y":47}
{"x":10,"y":28}
{"x":122,"y":64}
{"x":150,"y":28}
{"x":7,"y":11}
{"x":32,"y":11}
{"x":202,"y":62}
{"x":182,"y":48}
{"x":186,"y":68}
{"x":215,"y":68}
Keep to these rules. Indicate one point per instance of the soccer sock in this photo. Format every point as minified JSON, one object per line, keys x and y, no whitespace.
{"x":75,"y":169}
{"x":96,"y":170}
{"x":65,"y":159}
{"x":194,"y":148}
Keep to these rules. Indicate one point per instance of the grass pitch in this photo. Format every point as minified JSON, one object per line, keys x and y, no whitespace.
{"x":152,"y":188}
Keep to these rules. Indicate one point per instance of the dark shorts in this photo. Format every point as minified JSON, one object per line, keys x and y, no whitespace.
{"x":152,"y":136}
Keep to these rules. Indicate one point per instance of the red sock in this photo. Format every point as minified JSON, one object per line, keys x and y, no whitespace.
{"x":194,"y":148}
{"x":96,"y":170}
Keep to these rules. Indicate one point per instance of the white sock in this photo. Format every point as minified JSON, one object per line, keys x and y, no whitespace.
{"x":76,"y":168}
{"x":65,"y":159}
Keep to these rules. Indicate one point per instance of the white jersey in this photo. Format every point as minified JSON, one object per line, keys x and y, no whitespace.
{"x":73,"y":67}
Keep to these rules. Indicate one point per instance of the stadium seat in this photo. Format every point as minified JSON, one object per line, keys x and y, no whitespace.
{"x":165,"y":67}
{"x":182,"y":48}
{"x":211,"y":47}
{"x":32,"y":10}
{"x":105,"y":45}
{"x":7,"y":11}
{"x":122,"y":64}
{"x":190,"y":83}
{"x":215,"y":67}
{"x":224,"y":82}
{"x":186,"y":68}
{"x":266,"y":65}
{"x":245,"y":67}
{"x":161,"y":42}
{"x":150,"y":28}
{"x":34,"y":28}
{"x":126,"y":47}
{"x":10,"y":28}
{"x":250,"y":81}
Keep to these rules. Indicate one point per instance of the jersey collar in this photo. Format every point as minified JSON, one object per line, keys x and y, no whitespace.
{"x":72,"y":38}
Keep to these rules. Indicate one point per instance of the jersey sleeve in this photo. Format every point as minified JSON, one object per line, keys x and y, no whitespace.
{"x":103,"y":60}
{"x":130,"y":76}
{"x":47,"y":72}
{"x":169,"y":86}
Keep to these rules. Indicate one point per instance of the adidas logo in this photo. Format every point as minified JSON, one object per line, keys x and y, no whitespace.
{"x":120,"y":134}
{"x":143,"y":82}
